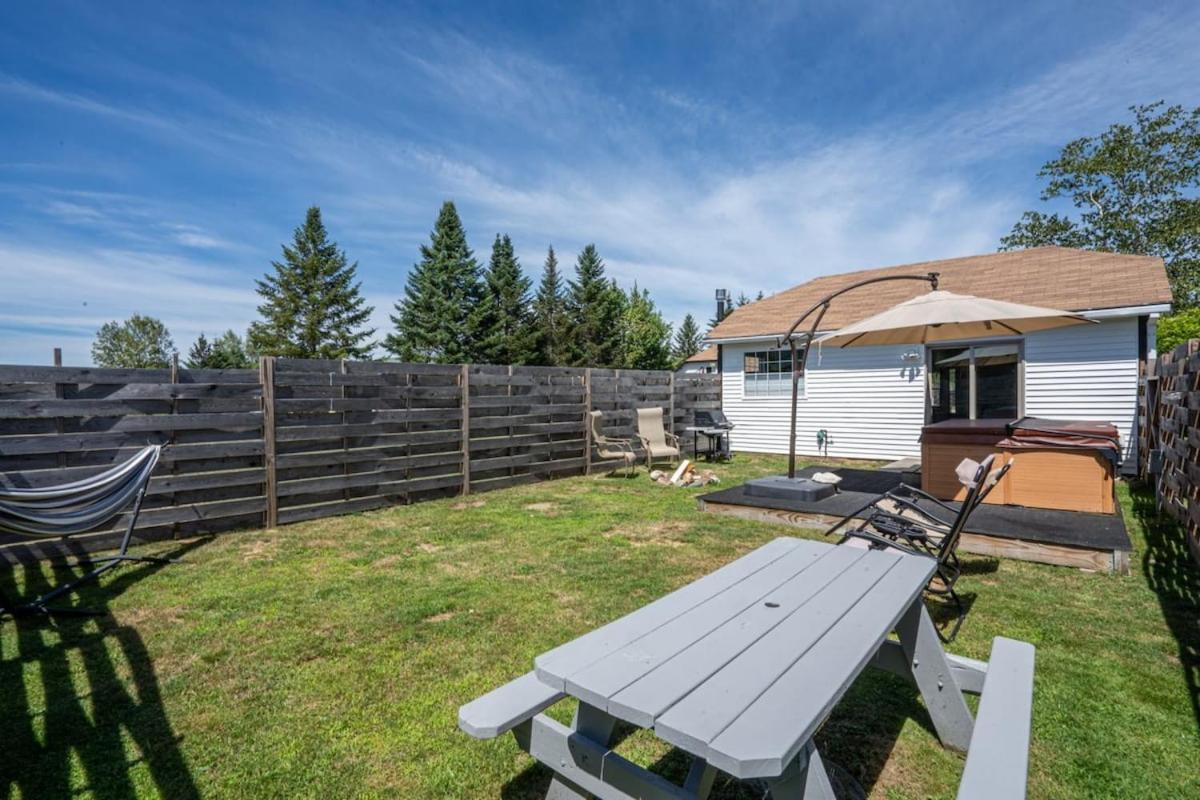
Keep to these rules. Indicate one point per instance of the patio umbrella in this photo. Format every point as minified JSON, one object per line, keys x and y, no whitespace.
{"x":941,"y":316}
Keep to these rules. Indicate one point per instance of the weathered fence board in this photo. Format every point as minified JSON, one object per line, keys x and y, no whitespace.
{"x":303,"y":439}
{"x":1169,"y":436}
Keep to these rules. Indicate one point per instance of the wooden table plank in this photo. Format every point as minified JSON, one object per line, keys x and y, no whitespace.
{"x":597,"y":682}
{"x":768,"y":734}
{"x":644,"y":700}
{"x":702,"y":715}
{"x":554,"y":666}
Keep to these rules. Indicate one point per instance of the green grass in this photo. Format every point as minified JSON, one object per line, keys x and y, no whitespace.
{"x":328,"y":659}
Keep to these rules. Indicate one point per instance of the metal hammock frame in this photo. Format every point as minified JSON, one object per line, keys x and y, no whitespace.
{"x":52,"y":512}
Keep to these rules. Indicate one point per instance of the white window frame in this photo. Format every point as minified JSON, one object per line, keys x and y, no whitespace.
{"x":780,"y":386}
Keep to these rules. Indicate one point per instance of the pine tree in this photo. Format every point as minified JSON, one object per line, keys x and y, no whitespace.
{"x":687,"y":341}
{"x":594,"y":306}
{"x":646,"y":335}
{"x":439,"y":318}
{"x":312,"y":305}
{"x":507,"y":335}
{"x":226,"y":352}
{"x":550,"y":316}
{"x":742,"y":299}
{"x":200,"y":353}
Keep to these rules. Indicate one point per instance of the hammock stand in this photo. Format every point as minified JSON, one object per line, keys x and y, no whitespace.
{"x":52,"y":512}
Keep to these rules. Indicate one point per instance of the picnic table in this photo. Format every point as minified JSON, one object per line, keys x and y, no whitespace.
{"x":740,"y":668}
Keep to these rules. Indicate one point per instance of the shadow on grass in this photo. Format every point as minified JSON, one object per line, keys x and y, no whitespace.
{"x":1175,"y":577}
{"x":81,"y":704}
{"x":856,"y":742}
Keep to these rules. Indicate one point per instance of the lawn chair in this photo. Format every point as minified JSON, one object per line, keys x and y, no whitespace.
{"x":70,"y":508}
{"x":656,"y":440}
{"x":898,"y":520}
{"x":610,"y":449}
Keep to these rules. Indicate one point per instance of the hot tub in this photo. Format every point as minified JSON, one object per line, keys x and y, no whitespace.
{"x":1060,"y":464}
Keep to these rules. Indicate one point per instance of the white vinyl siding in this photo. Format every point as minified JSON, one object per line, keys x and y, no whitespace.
{"x":872,"y":403}
{"x":869,"y":401}
{"x":1085,"y":372}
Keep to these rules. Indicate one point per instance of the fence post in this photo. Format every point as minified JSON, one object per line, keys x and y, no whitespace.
{"x":266,"y":379}
{"x":671,"y":411}
{"x":464,"y":381}
{"x":587,"y":421}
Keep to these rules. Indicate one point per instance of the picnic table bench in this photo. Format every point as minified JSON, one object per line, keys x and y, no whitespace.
{"x":740,"y":668}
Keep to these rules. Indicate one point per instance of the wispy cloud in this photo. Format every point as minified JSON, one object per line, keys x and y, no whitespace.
{"x":683,"y":188}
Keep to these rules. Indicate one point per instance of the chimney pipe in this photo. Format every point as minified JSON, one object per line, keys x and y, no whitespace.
{"x":722,"y":303}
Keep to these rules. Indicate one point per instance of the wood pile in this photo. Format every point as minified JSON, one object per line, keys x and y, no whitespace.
{"x":685,"y":476}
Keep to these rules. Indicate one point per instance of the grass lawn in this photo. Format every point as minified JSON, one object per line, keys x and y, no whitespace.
{"x":329,"y":659}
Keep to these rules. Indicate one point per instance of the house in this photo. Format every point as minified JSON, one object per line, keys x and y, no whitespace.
{"x":871,"y":402}
{"x":702,"y":362}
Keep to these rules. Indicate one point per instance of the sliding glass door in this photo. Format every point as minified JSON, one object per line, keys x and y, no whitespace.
{"x":980,"y":381}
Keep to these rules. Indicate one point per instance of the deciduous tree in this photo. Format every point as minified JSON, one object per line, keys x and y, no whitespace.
{"x":1135,"y":188}
{"x":139,"y":342}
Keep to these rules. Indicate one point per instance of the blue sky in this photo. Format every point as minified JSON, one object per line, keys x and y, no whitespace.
{"x":154,"y":156}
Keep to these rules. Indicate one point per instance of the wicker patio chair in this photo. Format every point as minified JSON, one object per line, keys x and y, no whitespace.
{"x":610,"y":449}
{"x":656,"y":440}
{"x":900,"y":521}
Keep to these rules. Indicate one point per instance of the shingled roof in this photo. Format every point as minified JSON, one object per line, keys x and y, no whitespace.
{"x":707,"y":354}
{"x":1053,"y":277}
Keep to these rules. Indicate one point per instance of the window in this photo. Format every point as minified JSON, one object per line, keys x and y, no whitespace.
{"x":975,"y":382}
{"x":768,"y":373}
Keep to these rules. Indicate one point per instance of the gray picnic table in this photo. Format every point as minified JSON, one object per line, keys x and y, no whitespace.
{"x":740,"y":669}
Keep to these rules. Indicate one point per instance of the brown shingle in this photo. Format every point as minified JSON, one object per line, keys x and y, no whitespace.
{"x":707,"y":354}
{"x":1054,"y":277}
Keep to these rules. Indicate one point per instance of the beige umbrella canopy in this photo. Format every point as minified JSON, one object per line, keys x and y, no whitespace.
{"x":944,"y":316}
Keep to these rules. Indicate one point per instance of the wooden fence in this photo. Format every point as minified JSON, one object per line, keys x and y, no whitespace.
{"x":302,"y":439}
{"x":1169,"y":430}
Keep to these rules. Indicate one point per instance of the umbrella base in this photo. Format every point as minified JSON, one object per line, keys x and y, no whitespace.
{"x":781,"y":487}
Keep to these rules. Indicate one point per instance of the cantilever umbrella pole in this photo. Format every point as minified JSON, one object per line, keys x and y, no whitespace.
{"x":799,"y":362}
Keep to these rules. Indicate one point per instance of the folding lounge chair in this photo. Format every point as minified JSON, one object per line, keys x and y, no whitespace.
{"x":611,"y":449}
{"x":657,"y":442}
{"x":898,"y":520}
{"x":77,"y":507}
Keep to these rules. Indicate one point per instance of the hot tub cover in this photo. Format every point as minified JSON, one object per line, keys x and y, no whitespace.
{"x":1029,"y":432}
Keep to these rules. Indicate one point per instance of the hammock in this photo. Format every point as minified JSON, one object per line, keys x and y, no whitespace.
{"x":77,"y":507}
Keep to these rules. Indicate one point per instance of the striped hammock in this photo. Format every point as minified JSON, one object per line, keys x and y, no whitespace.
{"x":76,"y":507}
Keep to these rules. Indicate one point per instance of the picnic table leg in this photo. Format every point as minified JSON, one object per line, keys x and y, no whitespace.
{"x":805,"y":779}
{"x":700,"y":778}
{"x":932,"y":673}
{"x":596,"y":725}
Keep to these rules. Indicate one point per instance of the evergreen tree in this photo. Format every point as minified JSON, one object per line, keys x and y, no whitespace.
{"x":742,"y":299}
{"x":200,"y":353}
{"x":759,"y":297}
{"x":507,"y":335}
{"x":137,"y":343}
{"x":687,"y":341}
{"x":440,"y":316}
{"x":312,"y":306}
{"x":226,"y":352}
{"x":646,"y":335}
{"x":550,"y":316}
{"x":594,"y":306}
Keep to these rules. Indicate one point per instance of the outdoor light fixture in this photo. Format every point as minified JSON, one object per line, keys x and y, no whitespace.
{"x":911,"y":357}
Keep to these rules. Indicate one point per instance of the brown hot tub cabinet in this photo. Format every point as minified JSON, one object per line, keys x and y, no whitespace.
{"x":1060,"y":464}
